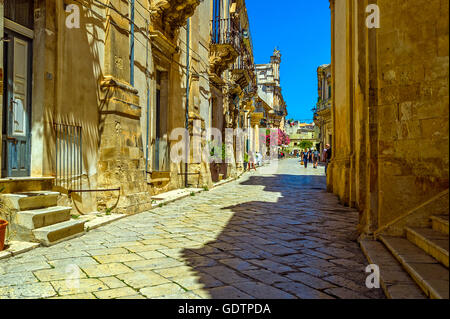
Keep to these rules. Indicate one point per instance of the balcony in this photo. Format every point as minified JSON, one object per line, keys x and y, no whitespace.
{"x":323,"y":105}
{"x":243,"y":69}
{"x":173,"y":13}
{"x":225,"y":45}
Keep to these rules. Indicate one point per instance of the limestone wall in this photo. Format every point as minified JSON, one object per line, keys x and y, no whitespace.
{"x":390,"y":110}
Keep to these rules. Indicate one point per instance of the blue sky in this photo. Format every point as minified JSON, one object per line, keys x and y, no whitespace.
{"x":301,"y":31}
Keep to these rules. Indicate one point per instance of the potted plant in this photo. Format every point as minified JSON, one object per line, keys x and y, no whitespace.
{"x":4,"y":212}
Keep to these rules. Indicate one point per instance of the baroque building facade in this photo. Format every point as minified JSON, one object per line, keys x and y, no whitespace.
{"x":322,"y":111}
{"x":88,"y":108}
{"x":390,"y":156}
{"x":270,"y":93}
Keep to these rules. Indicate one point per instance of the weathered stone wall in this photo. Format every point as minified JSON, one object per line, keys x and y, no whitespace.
{"x":391,"y":107}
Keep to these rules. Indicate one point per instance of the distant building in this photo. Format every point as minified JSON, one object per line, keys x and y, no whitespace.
{"x":322,"y":111}
{"x":269,"y":91}
{"x":299,"y":132}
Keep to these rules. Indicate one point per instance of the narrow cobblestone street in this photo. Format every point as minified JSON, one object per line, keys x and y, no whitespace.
{"x":263,"y":236}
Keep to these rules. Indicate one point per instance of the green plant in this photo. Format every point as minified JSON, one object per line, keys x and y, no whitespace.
{"x":205,"y":188}
{"x":161,"y":205}
{"x":108,"y":211}
{"x":192,"y":194}
{"x":74,"y":216}
{"x":306,"y":144}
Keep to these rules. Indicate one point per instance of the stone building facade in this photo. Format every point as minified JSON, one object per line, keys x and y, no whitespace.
{"x":390,"y":112}
{"x":269,"y":90}
{"x":95,"y":103}
{"x":322,"y":111}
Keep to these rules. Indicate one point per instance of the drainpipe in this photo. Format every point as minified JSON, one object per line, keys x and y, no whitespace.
{"x":148,"y":100}
{"x":132,"y":45}
{"x":187,"y":102}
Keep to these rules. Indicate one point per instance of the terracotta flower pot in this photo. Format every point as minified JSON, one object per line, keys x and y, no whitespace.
{"x":3,"y":224}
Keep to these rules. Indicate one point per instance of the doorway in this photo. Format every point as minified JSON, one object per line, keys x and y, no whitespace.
{"x":161,"y":149}
{"x":16,"y":120}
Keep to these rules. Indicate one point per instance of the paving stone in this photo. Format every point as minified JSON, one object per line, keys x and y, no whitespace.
{"x":105,"y":270}
{"x":79,"y":261}
{"x":344,"y":293}
{"x":115,"y":293}
{"x":262,"y":291}
{"x":155,"y":263}
{"x":237,"y":264}
{"x":175,"y":271}
{"x":112,"y":282}
{"x":194,"y":282}
{"x":64,"y":287}
{"x":310,"y":280}
{"x":271,"y":265}
{"x":63,"y":272}
{"x":162,"y":290}
{"x":150,"y":254}
{"x":119,"y":258}
{"x":141,"y":279}
{"x":265,"y":276}
{"x":225,"y":292}
{"x":302,"y":291}
{"x":275,"y":235}
{"x":76,"y":296}
{"x":17,"y":278}
{"x":27,"y":266}
{"x":30,"y":290}
{"x":223,"y":274}
{"x":343,"y":282}
{"x":107,"y":251}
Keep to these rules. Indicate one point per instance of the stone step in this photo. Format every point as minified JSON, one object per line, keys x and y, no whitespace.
{"x":440,"y":223}
{"x":37,"y":218}
{"x":159,"y":180}
{"x":426,"y":271}
{"x":30,"y":200}
{"x":56,"y":233}
{"x":394,"y":280}
{"x":431,"y":241}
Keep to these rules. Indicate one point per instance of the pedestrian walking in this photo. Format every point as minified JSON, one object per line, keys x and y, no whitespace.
{"x":316,"y":158}
{"x":326,"y":156}
{"x":305,"y":158}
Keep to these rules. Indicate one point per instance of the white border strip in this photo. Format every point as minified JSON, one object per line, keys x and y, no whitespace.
{"x":11,"y":25}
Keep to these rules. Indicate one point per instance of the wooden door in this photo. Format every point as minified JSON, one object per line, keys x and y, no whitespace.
{"x":16,"y":106}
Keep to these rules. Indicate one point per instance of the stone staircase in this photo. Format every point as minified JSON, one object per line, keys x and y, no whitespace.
{"x":422,"y":253}
{"x":36,"y":217}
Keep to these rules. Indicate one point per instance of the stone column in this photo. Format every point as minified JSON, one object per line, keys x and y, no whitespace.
{"x":121,"y":158}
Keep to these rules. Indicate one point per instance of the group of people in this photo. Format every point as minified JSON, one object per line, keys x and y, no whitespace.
{"x":313,"y":156}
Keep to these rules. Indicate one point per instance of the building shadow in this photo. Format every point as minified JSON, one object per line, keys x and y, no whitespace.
{"x":273,"y":236}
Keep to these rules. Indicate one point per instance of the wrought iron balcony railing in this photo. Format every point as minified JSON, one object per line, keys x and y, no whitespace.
{"x":225,"y":31}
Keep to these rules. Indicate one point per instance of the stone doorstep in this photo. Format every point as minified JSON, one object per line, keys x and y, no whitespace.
{"x":428,"y":273}
{"x":22,"y":201}
{"x":56,"y":233}
{"x":394,"y":280}
{"x":440,"y":224}
{"x":431,"y":241}
{"x":37,"y":218}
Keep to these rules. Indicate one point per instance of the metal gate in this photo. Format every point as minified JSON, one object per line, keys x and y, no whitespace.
{"x":69,"y":156}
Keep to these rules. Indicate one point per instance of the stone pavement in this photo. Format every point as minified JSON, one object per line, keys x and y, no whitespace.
{"x":274,"y":233}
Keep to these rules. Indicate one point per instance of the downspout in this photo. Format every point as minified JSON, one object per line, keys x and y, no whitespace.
{"x":187,"y":103}
{"x":148,"y":100}
{"x":132,"y":44}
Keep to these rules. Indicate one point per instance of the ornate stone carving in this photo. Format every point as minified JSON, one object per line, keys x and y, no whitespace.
{"x":221,"y":57}
{"x":174,"y":12}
